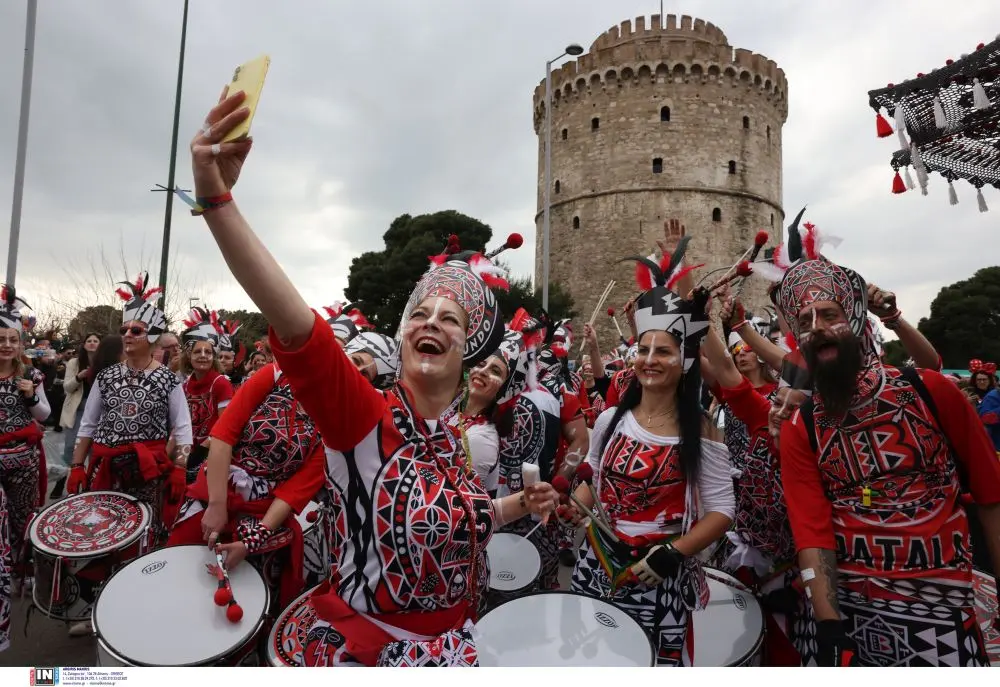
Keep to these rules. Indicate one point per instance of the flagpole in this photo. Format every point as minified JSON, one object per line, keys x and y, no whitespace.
{"x":22,"y":141}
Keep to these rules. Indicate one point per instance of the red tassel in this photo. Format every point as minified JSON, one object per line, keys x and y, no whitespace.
{"x":882,"y":126}
{"x":643,"y":277}
{"x":897,"y":184}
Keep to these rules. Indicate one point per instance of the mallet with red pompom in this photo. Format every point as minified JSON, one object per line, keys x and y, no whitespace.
{"x":759,"y":241}
{"x":514,"y":241}
{"x":611,"y":314}
{"x":561,"y":484}
{"x":224,"y":593}
{"x":585,"y":474}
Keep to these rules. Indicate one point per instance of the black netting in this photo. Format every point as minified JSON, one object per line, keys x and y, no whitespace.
{"x":969,"y":148}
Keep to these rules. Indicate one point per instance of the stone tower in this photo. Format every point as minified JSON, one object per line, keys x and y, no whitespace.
{"x":651,"y":124}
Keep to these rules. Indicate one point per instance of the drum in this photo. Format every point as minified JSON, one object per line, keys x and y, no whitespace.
{"x":985,"y":589}
{"x":514,"y":568}
{"x":78,"y":543}
{"x":159,"y":610}
{"x":561,"y":629}
{"x":730,"y":630}
{"x":287,"y":639}
{"x":316,"y":566}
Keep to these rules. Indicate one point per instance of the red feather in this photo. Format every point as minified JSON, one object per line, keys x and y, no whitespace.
{"x":743,"y":269}
{"x":681,"y":274}
{"x":495,"y":282}
{"x":124,"y":295}
{"x":151,"y":292}
{"x":643,"y":277}
{"x":3,"y":294}
{"x":521,"y":318}
{"x":333,"y":310}
{"x":790,"y":340}
{"x":438,"y":260}
{"x":809,"y":241}
{"x":776,"y":258}
{"x":358,"y":318}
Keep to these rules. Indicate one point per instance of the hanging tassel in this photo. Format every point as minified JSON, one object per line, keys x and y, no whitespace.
{"x":908,"y":179}
{"x":982,"y":201}
{"x":979,"y":98}
{"x":882,"y":126}
{"x":952,"y":195}
{"x":919,"y":168}
{"x":901,"y":127}
{"x":939,"y":118}
{"x":897,"y":184}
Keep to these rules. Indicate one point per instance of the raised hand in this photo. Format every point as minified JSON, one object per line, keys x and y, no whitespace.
{"x":216,"y":166}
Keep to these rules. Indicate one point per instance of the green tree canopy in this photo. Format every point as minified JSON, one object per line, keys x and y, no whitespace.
{"x":380,"y":282}
{"x":102,"y":319}
{"x":965,"y":320}
{"x":253,"y":325}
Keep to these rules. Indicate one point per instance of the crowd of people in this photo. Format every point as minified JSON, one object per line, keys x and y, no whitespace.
{"x":856,"y":501}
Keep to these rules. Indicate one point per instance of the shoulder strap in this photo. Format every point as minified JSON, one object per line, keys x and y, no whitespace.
{"x":911,"y":375}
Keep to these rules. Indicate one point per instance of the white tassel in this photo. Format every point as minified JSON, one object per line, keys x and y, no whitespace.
{"x":908,"y":179}
{"x":901,"y":128}
{"x":982,"y":201}
{"x":919,"y":168}
{"x":952,"y":195}
{"x":979,"y":97}
{"x":939,"y":118}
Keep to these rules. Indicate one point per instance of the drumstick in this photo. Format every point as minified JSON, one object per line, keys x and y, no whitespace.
{"x":561,"y":484}
{"x":759,"y":241}
{"x":600,"y":304}
{"x":224,"y":594}
{"x":585,"y":474}
{"x":611,"y":314}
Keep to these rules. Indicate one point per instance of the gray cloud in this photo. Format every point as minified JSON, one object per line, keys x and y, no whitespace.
{"x":374,"y":110}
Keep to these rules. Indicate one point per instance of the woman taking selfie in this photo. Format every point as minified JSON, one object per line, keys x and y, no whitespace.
{"x":390,"y":459}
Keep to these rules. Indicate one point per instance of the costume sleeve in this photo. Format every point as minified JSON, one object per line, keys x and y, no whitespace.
{"x":180,"y":417}
{"x":338,"y":398}
{"x":70,"y":382}
{"x":810,"y":513}
{"x":229,"y":427}
{"x":91,"y":413}
{"x":746,"y":404}
{"x":222,"y":392}
{"x":569,"y":409}
{"x":597,"y":438}
{"x":715,"y":484}
{"x":41,"y":410}
{"x":611,"y":399}
{"x":989,"y":409}
{"x":299,"y":489}
{"x":484,"y":444}
{"x":967,"y":436}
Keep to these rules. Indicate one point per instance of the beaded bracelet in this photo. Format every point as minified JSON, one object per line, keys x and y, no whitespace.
{"x":891,"y":322}
{"x":741,"y":325}
{"x":253,"y":534}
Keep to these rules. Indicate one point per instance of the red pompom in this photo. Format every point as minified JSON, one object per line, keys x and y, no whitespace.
{"x":980,"y":46}
{"x":897,"y":184}
{"x":585,"y":472}
{"x":920,"y":75}
{"x":890,"y":85}
{"x":949,"y":62}
{"x":223,"y":596}
{"x":234,"y":613}
{"x":560,"y":484}
{"x":611,"y":312}
{"x":743,"y":269}
{"x":515,"y":240}
{"x":882,"y":126}
{"x":761,"y":238}
{"x":312,"y":516}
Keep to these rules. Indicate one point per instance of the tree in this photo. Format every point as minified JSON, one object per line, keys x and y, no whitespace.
{"x":253,"y":325}
{"x":101,"y":319}
{"x":895,"y":354}
{"x":965,"y":320}
{"x":521,"y":296}
{"x":380,"y":282}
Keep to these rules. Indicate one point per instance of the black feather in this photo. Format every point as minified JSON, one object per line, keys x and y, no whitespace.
{"x":677,"y":256}
{"x":795,"y":239}
{"x":654,"y":269}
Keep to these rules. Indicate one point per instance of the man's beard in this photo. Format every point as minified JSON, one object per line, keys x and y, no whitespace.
{"x":835,"y":380}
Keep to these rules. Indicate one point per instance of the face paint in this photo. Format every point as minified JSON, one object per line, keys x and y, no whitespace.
{"x":839,"y":327}
{"x":433,"y":319}
{"x":652,"y":347}
{"x":814,"y":319}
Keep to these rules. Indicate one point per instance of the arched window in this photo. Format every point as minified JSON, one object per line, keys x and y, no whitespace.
{"x":664,"y":114}
{"x":717,"y":215}
{"x":732,"y":167}
{"x":657,"y":165}
{"x":595,"y":123}
{"x":746,"y":122}
{"x":557,"y":186}
{"x":565,"y":134}
{"x":768,"y":133}
{"x":576,"y":222}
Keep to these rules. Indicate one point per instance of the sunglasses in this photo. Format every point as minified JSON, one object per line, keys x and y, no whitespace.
{"x":133,"y":330}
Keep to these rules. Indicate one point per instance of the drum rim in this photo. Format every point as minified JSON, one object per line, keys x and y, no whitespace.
{"x":538,"y":556}
{"x":254,"y":633}
{"x":61,"y":618}
{"x":46,"y":550}
{"x":758,"y":645}
{"x":649,"y":638}
{"x":273,"y":632}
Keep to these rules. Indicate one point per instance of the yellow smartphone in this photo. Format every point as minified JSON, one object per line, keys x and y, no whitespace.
{"x":249,"y":78}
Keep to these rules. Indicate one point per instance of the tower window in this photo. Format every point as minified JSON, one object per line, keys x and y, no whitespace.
{"x":595,"y":123}
{"x":664,"y":114}
{"x":746,"y":122}
{"x":769,"y":134}
{"x":657,"y":165}
{"x":565,"y":134}
{"x":732,"y":167}
{"x":717,"y":215}
{"x":557,"y":186}
{"x":772,"y":219}
{"x":576,"y":222}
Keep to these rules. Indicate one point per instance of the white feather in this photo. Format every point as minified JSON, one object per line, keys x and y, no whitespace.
{"x":768,"y":271}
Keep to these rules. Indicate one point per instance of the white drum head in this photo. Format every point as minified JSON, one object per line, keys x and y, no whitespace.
{"x":561,"y":629}
{"x":303,"y":517}
{"x":729,"y":630}
{"x":514,"y":562}
{"x":90,"y":525}
{"x":159,"y":609}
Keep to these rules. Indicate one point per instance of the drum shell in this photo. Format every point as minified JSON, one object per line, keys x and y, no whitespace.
{"x":746,"y":609}
{"x":316,"y":549}
{"x":304,"y":614}
{"x":245,"y":655}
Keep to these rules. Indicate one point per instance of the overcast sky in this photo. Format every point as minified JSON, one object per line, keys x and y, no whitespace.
{"x":376,"y":109}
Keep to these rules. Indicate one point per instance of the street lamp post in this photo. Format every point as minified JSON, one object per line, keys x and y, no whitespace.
{"x":574,"y":50}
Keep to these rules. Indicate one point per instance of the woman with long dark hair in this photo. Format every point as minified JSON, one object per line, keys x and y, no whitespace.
{"x":76,"y":385}
{"x":654,"y":474}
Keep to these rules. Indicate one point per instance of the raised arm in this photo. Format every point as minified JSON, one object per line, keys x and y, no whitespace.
{"x":883,"y":304}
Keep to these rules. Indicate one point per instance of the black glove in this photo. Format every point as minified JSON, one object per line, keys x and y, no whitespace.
{"x":784,"y":600}
{"x":836,"y":649}
{"x":662,"y":561}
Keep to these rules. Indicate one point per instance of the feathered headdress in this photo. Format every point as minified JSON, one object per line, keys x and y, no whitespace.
{"x":202,"y":325}
{"x":659,"y":308}
{"x":140,"y":306}
{"x":230,"y":343}
{"x":796,"y":247}
{"x":384,"y":353}
{"x":10,"y":309}
{"x":464,"y":277}
{"x":346,"y":320}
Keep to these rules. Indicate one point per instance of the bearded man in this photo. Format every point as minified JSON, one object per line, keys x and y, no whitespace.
{"x":874,"y":467}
